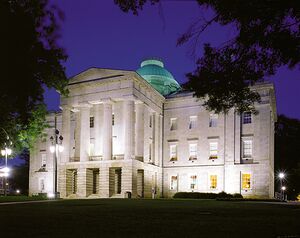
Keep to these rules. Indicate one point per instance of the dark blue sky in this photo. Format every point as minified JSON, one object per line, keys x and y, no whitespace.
{"x":98,"y":34}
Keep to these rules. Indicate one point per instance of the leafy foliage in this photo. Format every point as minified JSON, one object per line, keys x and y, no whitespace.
{"x":30,"y":61}
{"x":267,"y":37}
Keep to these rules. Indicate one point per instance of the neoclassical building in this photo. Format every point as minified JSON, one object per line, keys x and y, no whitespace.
{"x":138,"y":132}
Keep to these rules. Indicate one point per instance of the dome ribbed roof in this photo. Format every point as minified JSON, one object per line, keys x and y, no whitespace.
{"x":153,"y":71}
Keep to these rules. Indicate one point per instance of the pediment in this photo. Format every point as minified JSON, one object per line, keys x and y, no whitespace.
{"x":97,"y":74}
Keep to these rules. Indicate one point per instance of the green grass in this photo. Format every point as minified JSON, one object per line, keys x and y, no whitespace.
{"x":149,"y":218}
{"x":20,"y":198}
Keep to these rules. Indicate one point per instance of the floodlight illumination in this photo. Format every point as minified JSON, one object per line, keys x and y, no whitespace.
{"x":3,"y":152}
{"x":52,"y":148}
{"x":60,"y":148}
{"x":17,"y":191}
{"x":8,"y":151}
{"x":50,"y":195}
{"x":281,"y":175}
{"x":6,"y":174}
{"x":283,"y":188}
{"x":6,"y":170}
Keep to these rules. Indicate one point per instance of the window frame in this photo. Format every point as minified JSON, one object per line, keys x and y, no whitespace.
{"x":193,"y":181}
{"x":247,"y":181}
{"x":213,"y":155}
{"x":173,"y":124}
{"x":247,"y":156}
{"x":195,"y":156}
{"x":213,"y":181}
{"x":173,"y":182}
{"x":246,"y":118}
{"x":193,"y":122}
{"x":173,"y":155}
{"x":213,"y":120}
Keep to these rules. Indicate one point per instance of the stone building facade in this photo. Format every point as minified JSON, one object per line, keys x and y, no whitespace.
{"x":139,"y":133}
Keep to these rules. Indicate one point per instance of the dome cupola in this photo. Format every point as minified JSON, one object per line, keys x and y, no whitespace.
{"x":153,"y":71}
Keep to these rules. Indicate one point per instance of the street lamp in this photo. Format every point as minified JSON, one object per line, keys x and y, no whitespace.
{"x":6,"y":152}
{"x":281,"y":177}
{"x":55,"y":148}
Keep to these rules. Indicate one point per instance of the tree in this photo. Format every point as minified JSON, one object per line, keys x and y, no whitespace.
{"x":287,"y":150}
{"x":30,"y":61}
{"x":267,"y":37}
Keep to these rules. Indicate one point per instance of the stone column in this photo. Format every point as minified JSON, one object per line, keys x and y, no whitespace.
{"x":156,"y":138}
{"x":107,"y":131}
{"x":139,"y":130}
{"x":146,"y":133}
{"x":98,"y":127}
{"x":128,"y":112}
{"x":66,"y":130}
{"x":77,"y":134}
{"x":81,"y":182}
{"x":84,"y":133}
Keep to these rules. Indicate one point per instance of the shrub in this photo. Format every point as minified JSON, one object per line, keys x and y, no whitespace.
{"x":237,"y":195}
{"x":197,"y":195}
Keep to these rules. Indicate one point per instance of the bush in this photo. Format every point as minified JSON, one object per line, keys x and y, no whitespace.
{"x":237,"y":195}
{"x":196,"y":195}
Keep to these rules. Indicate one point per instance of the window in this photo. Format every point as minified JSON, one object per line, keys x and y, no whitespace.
{"x":91,"y":122}
{"x":213,"y":120}
{"x":193,"y":122}
{"x":213,"y":150}
{"x":113,"y":119}
{"x":193,"y":181}
{"x":247,"y":118}
{"x":193,"y":151}
{"x":43,"y":160}
{"x":92,"y":149}
{"x":150,"y":121}
{"x":173,"y":185}
{"x":213,"y":181}
{"x":42,"y":185}
{"x":173,"y":152}
{"x":246,"y":181}
{"x":173,"y":124}
{"x":150,"y":151}
{"x":247,"y":148}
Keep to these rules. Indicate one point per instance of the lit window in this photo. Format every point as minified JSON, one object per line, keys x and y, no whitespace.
{"x":213,"y":181}
{"x":247,"y":148}
{"x":193,"y":182}
{"x":193,"y":151}
{"x":246,"y":181}
{"x":213,"y":120}
{"x":91,"y":122}
{"x":193,"y":122}
{"x":247,"y":118}
{"x":173,"y":124}
{"x":173,"y":152}
{"x":173,"y":185}
{"x":43,"y":160}
{"x":213,"y":150}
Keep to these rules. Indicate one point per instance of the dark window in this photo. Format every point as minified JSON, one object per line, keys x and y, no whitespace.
{"x":91,"y":122}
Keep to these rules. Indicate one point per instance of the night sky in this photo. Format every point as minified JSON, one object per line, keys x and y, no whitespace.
{"x":98,"y":34}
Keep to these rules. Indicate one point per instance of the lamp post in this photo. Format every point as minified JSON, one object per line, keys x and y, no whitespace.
{"x":281,"y":176}
{"x":55,"y":148}
{"x":6,"y":152}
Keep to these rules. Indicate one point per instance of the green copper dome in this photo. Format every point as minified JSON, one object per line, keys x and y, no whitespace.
{"x":153,"y":71}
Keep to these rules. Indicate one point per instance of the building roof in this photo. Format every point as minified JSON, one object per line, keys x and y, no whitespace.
{"x":153,"y":71}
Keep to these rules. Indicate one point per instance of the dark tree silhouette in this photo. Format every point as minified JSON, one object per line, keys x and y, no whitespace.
{"x":287,"y":150}
{"x":30,"y":60}
{"x":267,"y":37}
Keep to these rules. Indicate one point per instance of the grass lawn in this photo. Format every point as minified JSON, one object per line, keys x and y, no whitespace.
{"x":149,"y":218}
